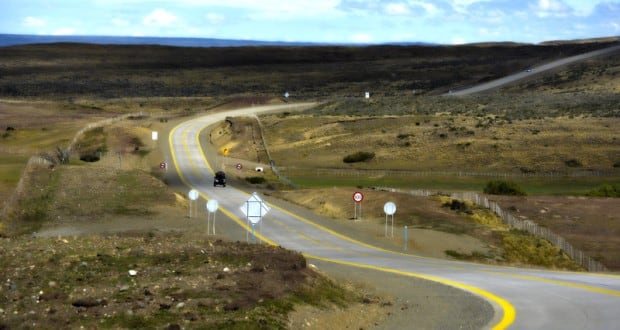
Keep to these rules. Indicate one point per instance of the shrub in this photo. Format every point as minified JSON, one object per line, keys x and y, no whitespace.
{"x":573,"y":163}
{"x":90,"y":158}
{"x":499,"y":187}
{"x":605,"y":190}
{"x":255,"y":179}
{"x":360,"y":156}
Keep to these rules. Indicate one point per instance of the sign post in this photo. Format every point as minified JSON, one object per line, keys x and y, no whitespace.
{"x":254,"y":210}
{"x":389,"y":208}
{"x":212,"y":206}
{"x":358,"y":197}
{"x":193,"y":196}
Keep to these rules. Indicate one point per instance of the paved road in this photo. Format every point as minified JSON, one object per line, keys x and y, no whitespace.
{"x":522,"y":298}
{"x":533,"y":71}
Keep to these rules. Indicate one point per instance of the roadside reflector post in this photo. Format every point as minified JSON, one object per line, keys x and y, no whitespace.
{"x":405,"y":237}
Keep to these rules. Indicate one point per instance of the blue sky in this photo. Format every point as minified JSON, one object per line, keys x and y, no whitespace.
{"x":339,"y":21}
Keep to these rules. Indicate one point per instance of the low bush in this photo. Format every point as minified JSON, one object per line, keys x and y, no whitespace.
{"x":605,"y":190}
{"x":573,"y":163}
{"x":499,"y":187}
{"x":90,"y":158}
{"x":255,"y":179}
{"x":360,"y":156}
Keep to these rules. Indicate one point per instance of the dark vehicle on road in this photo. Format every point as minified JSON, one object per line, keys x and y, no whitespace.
{"x":219,"y":179}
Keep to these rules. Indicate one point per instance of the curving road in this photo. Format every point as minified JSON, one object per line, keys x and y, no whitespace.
{"x":533,"y":71}
{"x":522,"y":298}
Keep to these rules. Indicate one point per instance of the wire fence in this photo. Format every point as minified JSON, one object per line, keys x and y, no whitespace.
{"x":381,"y":173}
{"x":526,"y":225}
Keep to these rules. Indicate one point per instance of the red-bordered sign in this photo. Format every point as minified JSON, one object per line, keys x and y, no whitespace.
{"x":163,"y":165}
{"x":358,"y":197}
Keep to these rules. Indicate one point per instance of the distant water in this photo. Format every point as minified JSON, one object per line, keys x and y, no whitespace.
{"x":24,"y":39}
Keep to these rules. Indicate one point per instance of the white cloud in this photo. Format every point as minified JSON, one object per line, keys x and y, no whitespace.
{"x":159,"y":17}
{"x":581,"y":7}
{"x":361,"y":38}
{"x":63,"y":32}
{"x":461,"y":6}
{"x":430,"y":8}
{"x":554,"y":8}
{"x":215,"y":18}
{"x":396,"y":9}
{"x":33,"y":21}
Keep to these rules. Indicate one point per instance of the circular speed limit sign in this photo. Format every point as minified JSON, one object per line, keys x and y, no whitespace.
{"x":358,"y":197}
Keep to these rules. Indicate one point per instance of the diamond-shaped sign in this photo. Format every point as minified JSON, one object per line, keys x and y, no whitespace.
{"x":254,"y":208}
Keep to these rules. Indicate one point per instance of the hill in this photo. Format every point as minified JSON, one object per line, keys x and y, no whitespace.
{"x":70,"y":70}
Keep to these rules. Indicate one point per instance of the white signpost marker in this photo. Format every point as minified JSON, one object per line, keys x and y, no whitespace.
{"x":389,"y":208}
{"x":212,"y":206}
{"x":154,"y":136}
{"x":193,"y":196}
{"x":358,"y":197}
{"x":254,"y":210}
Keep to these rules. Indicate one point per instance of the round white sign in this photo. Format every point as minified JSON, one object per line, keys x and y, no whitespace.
{"x":212,"y":205}
{"x":193,"y":194}
{"x":358,"y":196}
{"x":389,"y":208}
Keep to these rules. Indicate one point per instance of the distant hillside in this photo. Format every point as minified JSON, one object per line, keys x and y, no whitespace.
{"x":62,"y":70}
{"x":28,"y":39}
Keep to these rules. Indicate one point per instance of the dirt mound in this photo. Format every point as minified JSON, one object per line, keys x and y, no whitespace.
{"x":152,"y":282}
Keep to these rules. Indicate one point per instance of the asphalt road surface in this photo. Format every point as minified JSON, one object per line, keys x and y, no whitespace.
{"x":534,"y":71}
{"x":521,"y":298}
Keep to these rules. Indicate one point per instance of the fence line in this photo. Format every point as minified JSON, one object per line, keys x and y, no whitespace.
{"x":38,"y":160}
{"x":526,"y":225}
{"x":101,"y":123}
{"x":351,"y":172}
{"x":272,"y":164}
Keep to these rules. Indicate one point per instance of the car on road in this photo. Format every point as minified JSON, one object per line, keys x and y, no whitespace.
{"x":219,"y":179}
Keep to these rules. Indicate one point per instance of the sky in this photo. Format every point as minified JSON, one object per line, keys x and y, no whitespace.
{"x":323,"y":21}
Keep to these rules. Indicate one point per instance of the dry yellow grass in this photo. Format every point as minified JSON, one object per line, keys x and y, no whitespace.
{"x":446,"y":142}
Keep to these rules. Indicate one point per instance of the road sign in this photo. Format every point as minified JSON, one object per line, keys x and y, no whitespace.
{"x":239,"y":166}
{"x":389,"y":208}
{"x":163,"y":165}
{"x":212,"y":206}
{"x":358,"y":197}
{"x":154,"y":136}
{"x":193,"y":194}
{"x":254,"y":208}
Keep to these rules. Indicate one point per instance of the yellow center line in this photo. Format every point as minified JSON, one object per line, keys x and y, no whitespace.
{"x":509,"y":313}
{"x":508,"y":310}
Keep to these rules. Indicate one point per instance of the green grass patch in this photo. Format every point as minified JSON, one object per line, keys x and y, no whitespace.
{"x":11,"y":167}
{"x":533,"y":186}
{"x":605,"y":190}
{"x":33,"y":208}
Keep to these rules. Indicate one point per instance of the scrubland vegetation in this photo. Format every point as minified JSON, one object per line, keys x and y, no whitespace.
{"x":553,"y":134}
